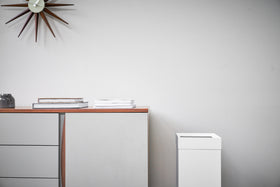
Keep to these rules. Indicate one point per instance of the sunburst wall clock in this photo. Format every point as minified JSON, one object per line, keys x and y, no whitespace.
{"x":37,"y":8}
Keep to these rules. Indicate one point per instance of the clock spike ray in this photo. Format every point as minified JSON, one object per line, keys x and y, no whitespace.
{"x":27,"y":21}
{"x":57,"y":4}
{"x":36,"y":26}
{"x":21,"y":14}
{"x":46,"y":21}
{"x":17,"y":5}
{"x":54,"y":15}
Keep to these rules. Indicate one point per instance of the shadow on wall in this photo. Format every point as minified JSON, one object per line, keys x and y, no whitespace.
{"x":162,"y":152}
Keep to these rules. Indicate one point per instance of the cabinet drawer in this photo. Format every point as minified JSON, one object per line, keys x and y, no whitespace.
{"x":29,"y":129}
{"x":29,"y":161}
{"x":15,"y":182}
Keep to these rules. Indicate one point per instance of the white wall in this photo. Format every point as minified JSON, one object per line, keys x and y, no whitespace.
{"x":201,"y":66}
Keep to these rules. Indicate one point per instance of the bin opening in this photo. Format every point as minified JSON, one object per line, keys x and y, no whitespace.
{"x":196,"y":136}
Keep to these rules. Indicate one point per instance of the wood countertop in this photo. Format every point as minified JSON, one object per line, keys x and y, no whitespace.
{"x":80,"y":110}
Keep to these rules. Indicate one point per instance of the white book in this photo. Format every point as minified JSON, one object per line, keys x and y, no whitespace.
{"x":113,"y":101}
{"x":59,"y":105}
{"x":60,"y":100}
{"x":115,"y":106}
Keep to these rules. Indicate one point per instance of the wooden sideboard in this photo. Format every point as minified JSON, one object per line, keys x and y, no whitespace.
{"x":73,"y":147}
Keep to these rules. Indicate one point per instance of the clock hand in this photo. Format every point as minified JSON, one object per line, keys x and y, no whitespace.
{"x":36,"y":3}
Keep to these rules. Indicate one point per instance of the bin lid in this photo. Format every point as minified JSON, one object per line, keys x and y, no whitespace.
{"x":198,"y":141}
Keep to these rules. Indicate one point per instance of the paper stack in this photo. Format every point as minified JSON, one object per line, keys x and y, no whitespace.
{"x":44,"y":103}
{"x":114,"y":103}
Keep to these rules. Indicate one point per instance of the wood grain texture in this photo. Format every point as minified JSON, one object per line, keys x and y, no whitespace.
{"x":57,"y":4}
{"x":19,"y":15}
{"x":54,"y":15}
{"x":36,"y":26}
{"x":25,"y":24}
{"x":17,"y":5}
{"x":82,"y":110}
{"x":42,"y":14}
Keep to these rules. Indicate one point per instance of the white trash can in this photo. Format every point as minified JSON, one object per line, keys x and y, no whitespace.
{"x":198,"y":160}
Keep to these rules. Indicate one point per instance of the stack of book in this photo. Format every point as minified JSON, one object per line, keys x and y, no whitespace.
{"x":44,"y":103}
{"x":114,"y":103}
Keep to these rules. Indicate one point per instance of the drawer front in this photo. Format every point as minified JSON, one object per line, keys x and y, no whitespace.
{"x":29,"y":129}
{"x":29,"y":161}
{"x":15,"y":182}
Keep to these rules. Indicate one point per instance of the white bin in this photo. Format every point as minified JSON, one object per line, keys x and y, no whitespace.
{"x":198,"y":160}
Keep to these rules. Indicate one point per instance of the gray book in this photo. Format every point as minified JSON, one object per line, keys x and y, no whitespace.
{"x":59,"y":105}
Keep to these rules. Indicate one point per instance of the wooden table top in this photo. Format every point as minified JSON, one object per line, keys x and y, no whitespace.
{"x":24,"y":109}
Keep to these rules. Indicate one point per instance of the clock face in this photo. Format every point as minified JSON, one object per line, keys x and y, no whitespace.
{"x":37,"y":8}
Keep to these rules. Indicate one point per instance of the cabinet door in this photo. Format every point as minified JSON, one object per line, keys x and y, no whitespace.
{"x":106,"y":149}
{"x":29,"y":161}
{"x":19,"y":182}
{"x":28,"y":129}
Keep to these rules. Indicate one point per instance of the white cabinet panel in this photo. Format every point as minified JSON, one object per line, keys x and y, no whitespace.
{"x":201,"y":168}
{"x":106,"y":149}
{"x":29,"y":161}
{"x":15,"y":182}
{"x":26,"y":129}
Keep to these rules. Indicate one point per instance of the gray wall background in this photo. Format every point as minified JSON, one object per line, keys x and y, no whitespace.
{"x":201,"y":66}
